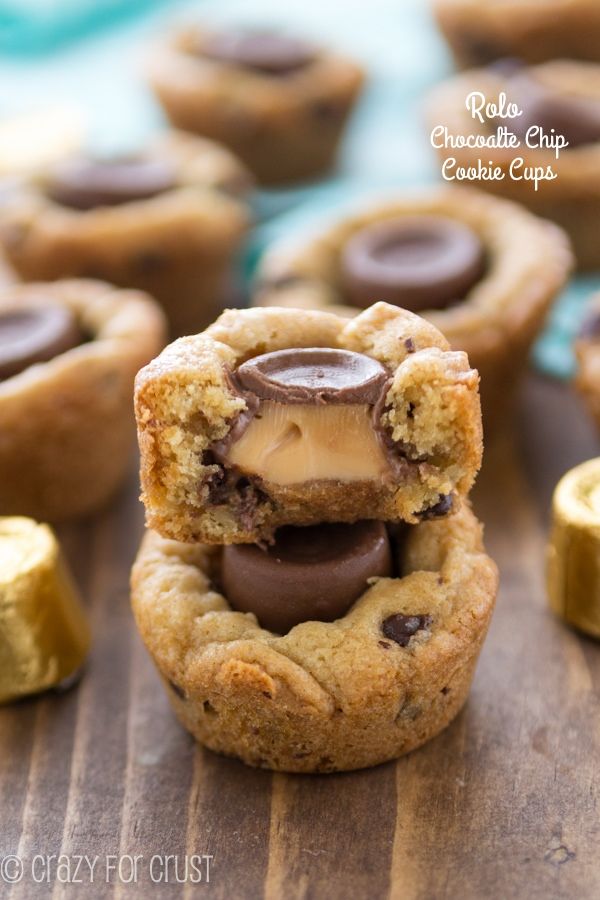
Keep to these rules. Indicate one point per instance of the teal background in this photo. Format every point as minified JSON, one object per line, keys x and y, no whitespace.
{"x":90,"y":53}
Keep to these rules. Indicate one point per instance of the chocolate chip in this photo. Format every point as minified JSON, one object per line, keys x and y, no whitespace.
{"x":401,"y":628}
{"x":445,"y":690}
{"x":439,"y":509}
{"x":409,"y":345}
{"x":250,"y":497}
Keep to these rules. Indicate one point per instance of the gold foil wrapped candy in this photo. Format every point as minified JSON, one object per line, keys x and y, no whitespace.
{"x":574,"y":548}
{"x":44,"y":636}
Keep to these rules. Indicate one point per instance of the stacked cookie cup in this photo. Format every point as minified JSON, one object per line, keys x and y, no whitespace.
{"x":314,"y":589}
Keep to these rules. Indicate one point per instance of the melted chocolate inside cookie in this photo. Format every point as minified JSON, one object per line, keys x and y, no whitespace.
{"x":312,"y":414}
{"x":85,"y":184}
{"x":314,"y":573}
{"x":416,"y":262}
{"x":34,"y":334}
{"x":268,"y":52}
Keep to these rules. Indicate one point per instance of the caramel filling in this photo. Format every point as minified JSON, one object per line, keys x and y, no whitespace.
{"x":292,"y":444}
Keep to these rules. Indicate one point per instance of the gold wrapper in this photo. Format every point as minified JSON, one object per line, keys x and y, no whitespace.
{"x":574,"y":548}
{"x":44,"y":635}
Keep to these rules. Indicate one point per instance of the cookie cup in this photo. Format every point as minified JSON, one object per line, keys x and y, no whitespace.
{"x":326,"y":696}
{"x":186,"y":403}
{"x":179,"y":245}
{"x":284,"y":128}
{"x":480,"y":31}
{"x":572,"y":199}
{"x":67,"y":426}
{"x":528,"y":262}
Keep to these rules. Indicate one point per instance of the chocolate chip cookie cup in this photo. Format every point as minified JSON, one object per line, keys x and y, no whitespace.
{"x":168,"y":221}
{"x":327,"y":696}
{"x":280,"y":103}
{"x":559,"y":100}
{"x":277,"y":417}
{"x":481,"y":31}
{"x":482,"y":270}
{"x":69,"y":352}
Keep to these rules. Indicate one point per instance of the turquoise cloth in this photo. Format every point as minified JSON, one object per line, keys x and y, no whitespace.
{"x":386,"y":147}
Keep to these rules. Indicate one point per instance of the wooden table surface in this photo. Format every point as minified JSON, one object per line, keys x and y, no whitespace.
{"x":502,"y":805}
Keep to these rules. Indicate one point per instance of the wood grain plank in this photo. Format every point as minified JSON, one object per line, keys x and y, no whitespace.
{"x":93,"y":816}
{"x":158,"y":778}
{"x":332,"y":835}
{"x":229,"y":817}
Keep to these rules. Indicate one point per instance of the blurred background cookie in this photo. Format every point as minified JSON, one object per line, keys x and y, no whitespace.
{"x":480,"y":31}
{"x":278,"y":101}
{"x":168,"y":220}
{"x":69,"y":352}
{"x":558,"y":100}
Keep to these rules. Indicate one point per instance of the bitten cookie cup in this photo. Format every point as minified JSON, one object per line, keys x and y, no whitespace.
{"x":493,"y":312}
{"x":561,"y":97}
{"x":69,"y":354}
{"x":480,"y":31}
{"x":279,"y":103}
{"x":168,"y":221}
{"x":587,"y":352}
{"x":327,"y":696}
{"x":236,"y":440}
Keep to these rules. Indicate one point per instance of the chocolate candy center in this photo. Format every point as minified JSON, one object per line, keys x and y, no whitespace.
{"x":85,"y":183}
{"x":577,"y":118}
{"x":309,"y":574}
{"x":34,"y":334}
{"x":263,"y":51}
{"x":309,"y":417}
{"x":417,"y":262}
{"x":313,"y":375}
